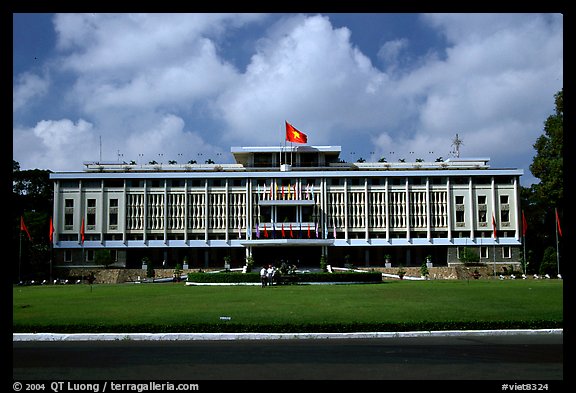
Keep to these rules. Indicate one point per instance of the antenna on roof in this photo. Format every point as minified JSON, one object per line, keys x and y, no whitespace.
{"x":457,"y":142}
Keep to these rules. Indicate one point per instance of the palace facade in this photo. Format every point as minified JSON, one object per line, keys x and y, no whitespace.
{"x":361,"y":213}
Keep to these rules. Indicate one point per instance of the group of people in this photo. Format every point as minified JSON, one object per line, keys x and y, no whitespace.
{"x":267,"y":274}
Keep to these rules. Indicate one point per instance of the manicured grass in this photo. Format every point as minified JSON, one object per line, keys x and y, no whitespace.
{"x":398,"y":305}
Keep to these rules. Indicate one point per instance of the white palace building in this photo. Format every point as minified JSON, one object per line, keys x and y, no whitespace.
{"x":359,"y":213}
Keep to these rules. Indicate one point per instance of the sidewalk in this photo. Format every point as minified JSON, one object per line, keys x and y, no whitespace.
{"x":267,"y":336}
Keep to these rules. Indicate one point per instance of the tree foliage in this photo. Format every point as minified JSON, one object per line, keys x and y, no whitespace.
{"x":540,"y":200}
{"x":547,"y":164}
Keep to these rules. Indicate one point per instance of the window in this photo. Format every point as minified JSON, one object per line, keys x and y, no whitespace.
{"x":505,"y":216}
{"x":286,"y":214}
{"x":307,"y":214}
{"x":69,"y":184}
{"x":459,"y":199}
{"x":67,"y":255}
{"x":504,"y":199}
{"x":117,"y":183}
{"x":113,"y":214}
{"x":91,"y":213}
{"x":91,"y":183}
{"x":265,"y":213}
{"x":68,"y":213}
{"x":135,"y":183}
{"x":506,"y":252}
{"x":482,"y":216}
{"x":482,"y":208}
{"x":483,"y":252}
{"x":460,"y":217}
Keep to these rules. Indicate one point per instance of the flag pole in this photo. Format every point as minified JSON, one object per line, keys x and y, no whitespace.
{"x":494,"y":243}
{"x":525,"y":256}
{"x":20,"y":259}
{"x":557,"y":242}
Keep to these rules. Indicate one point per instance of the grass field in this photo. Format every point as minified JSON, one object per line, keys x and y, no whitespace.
{"x":398,"y":305}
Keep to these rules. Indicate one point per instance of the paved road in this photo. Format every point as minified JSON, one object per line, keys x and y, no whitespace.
{"x":507,"y":358}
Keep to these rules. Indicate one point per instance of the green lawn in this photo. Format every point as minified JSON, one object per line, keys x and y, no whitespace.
{"x":397,"y":305}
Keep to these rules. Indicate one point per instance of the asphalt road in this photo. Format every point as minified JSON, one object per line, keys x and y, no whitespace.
{"x":507,"y":358}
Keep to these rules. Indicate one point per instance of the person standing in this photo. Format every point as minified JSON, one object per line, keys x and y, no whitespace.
{"x":270,"y":274}
{"x":263,"y":276}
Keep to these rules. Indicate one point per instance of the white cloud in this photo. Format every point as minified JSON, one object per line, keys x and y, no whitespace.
{"x":167,"y":84}
{"x":54,"y":144}
{"x":308,"y":73}
{"x":28,"y":86}
{"x":167,"y":140}
{"x":391,"y":51}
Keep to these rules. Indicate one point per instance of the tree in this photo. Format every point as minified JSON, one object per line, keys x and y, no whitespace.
{"x":103,"y":257}
{"x":32,"y":196}
{"x":547,"y":165}
{"x":540,"y":200}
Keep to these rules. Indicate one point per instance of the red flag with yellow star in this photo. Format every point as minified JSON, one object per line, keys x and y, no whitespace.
{"x":293,"y":135}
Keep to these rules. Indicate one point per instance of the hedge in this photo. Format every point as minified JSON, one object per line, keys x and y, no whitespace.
{"x":234,"y":277}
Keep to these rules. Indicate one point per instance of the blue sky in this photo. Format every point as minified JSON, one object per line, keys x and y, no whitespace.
{"x":189,"y":86}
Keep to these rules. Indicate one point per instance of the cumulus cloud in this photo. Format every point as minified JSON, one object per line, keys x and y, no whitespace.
{"x":168,"y":140}
{"x":152,"y":84}
{"x":27,"y":86}
{"x":309,"y":73}
{"x":54,"y":144}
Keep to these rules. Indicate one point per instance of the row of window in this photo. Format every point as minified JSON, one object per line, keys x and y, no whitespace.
{"x":282,"y":213}
{"x":505,"y":253}
{"x":334,"y":181}
{"x":483,"y":251}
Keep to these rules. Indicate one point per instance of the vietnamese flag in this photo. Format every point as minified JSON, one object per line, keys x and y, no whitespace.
{"x":557,"y":222}
{"x":291,"y":233}
{"x":82,"y":232}
{"x":283,"y":234}
{"x":24,"y":228}
{"x":51,"y":232}
{"x":524,"y":224}
{"x":265,"y":232}
{"x":293,"y":135}
{"x":308,"y":230}
{"x":494,"y":226}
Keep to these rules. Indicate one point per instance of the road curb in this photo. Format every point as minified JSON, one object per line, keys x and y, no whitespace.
{"x":267,"y":336}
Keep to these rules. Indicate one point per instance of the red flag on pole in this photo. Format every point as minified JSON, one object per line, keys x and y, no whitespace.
{"x":524,"y":224}
{"x":24,"y":228}
{"x":283,"y":234}
{"x":51,"y":232}
{"x":293,"y":135}
{"x":558,"y":222}
{"x":265,"y":231}
{"x":494,"y":225}
{"x":82,"y":232}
